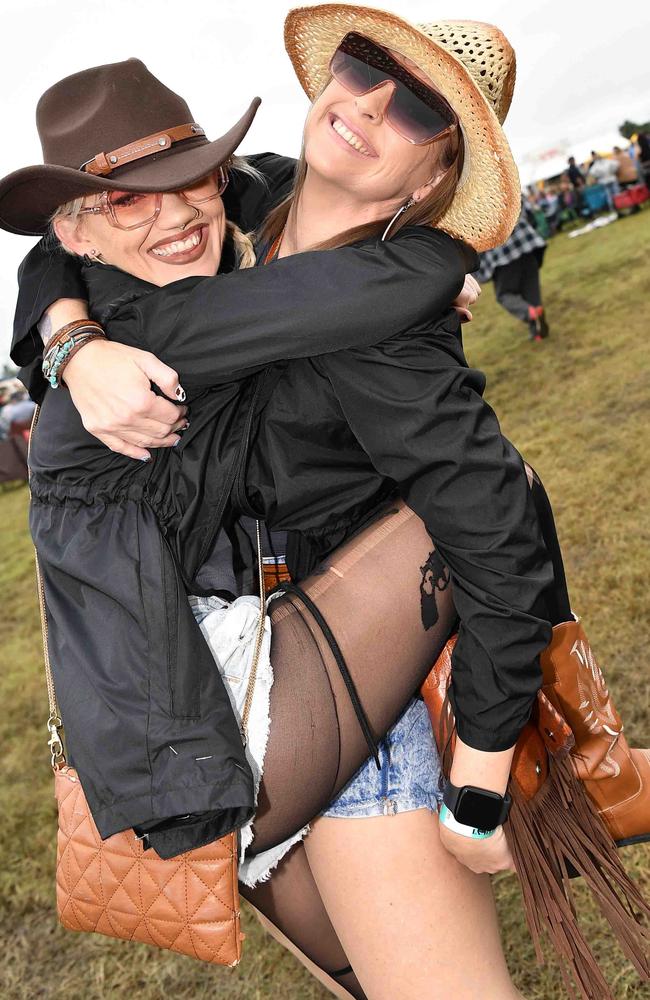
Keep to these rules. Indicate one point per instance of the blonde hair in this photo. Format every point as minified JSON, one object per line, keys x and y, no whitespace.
{"x":242,"y":242}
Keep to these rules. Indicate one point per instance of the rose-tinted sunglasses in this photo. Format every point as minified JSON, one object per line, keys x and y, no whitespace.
{"x":416,"y":112}
{"x":133,"y":209}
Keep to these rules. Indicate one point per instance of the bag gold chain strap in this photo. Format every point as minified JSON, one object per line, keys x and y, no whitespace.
{"x":259,"y":638}
{"x":55,"y":723}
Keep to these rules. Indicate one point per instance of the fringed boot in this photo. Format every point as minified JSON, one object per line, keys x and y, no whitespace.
{"x":555,"y":829}
{"x":616,"y":777}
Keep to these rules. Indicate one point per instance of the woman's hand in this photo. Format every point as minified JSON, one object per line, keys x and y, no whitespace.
{"x":110,"y":385}
{"x":481,"y":856}
{"x":489,"y":770}
{"x":468,"y":296}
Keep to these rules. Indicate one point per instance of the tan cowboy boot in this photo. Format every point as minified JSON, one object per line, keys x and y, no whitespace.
{"x":616,"y":778}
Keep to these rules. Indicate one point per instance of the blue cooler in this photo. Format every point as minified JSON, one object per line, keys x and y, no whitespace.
{"x":595,"y":197}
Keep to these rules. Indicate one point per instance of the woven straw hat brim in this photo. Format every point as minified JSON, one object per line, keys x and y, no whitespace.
{"x":30,"y":196}
{"x":487,"y":204}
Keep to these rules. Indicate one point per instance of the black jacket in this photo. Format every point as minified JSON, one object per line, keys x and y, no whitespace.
{"x":122,"y":543}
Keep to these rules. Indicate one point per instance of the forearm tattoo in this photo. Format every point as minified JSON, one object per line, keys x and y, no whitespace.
{"x":45,"y":329}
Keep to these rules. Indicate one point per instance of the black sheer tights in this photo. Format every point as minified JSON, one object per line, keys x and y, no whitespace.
{"x":291,"y":901}
{"x":375,"y":593}
{"x":369,"y":592}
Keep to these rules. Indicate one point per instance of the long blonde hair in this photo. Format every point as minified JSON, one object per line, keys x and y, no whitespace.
{"x":242,"y":243}
{"x":426,"y":212}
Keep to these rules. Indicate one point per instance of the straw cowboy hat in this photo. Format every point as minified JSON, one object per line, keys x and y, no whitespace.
{"x":471,"y":64}
{"x":113,"y":127}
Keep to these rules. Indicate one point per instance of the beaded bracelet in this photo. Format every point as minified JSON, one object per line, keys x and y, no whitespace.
{"x":64,"y":345}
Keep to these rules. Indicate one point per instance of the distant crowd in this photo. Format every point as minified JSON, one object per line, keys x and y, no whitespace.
{"x":570,"y":198}
{"x":617,"y":183}
{"x":16,"y":410}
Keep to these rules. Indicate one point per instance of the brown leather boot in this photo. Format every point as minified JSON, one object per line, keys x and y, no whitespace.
{"x":616,"y":778}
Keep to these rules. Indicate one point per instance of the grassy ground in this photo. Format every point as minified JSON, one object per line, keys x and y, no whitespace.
{"x":576,"y":406}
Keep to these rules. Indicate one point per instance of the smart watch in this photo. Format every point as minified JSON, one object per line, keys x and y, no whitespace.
{"x":476,"y":807}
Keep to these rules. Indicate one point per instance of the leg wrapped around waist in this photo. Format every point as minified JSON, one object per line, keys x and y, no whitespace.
{"x":385,"y":598}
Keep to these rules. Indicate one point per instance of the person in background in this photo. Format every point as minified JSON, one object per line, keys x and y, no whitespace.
{"x":514,"y":268}
{"x":605,"y":172}
{"x":626,"y":173}
{"x":643,"y":145}
{"x":18,"y":410}
{"x":551,"y":206}
{"x":576,"y":175}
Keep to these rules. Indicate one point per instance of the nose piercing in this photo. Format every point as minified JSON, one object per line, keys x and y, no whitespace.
{"x":197,"y":212}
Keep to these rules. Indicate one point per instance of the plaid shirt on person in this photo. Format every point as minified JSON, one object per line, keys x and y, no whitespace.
{"x":523,"y":239}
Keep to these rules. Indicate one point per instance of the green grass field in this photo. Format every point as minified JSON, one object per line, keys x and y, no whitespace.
{"x":577,"y":407}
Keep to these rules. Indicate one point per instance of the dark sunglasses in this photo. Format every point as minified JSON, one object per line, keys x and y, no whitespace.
{"x":416,"y":112}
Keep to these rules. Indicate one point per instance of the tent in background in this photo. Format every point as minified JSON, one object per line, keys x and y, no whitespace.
{"x":543,"y":164}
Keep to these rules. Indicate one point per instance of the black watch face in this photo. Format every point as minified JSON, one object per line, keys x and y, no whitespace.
{"x":480,"y":809}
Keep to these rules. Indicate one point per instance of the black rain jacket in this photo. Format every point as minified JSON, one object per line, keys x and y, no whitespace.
{"x":310,"y":444}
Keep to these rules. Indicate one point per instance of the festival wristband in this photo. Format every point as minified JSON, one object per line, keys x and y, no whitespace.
{"x":448,"y":819}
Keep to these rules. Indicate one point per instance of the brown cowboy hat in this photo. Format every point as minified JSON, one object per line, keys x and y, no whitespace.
{"x":113,"y":127}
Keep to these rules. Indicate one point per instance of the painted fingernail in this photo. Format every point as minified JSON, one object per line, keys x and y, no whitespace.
{"x":180,"y":394}
{"x":177,"y":441}
{"x":145,"y":458}
{"x":186,"y":425}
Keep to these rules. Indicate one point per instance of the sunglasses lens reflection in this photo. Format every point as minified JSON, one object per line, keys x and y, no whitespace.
{"x":207,"y":187}
{"x":133,"y":208}
{"x":414,"y":119}
{"x":355,"y":75}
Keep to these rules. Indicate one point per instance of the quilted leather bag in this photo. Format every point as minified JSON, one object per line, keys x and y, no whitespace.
{"x":188,"y":904}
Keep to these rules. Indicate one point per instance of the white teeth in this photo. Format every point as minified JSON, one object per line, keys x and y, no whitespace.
{"x":350,"y":137}
{"x":178,"y":246}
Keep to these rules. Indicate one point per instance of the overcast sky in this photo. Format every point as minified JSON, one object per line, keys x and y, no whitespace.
{"x":582,"y":68}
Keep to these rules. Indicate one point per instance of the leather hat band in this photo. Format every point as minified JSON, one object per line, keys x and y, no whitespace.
{"x":103,"y":164}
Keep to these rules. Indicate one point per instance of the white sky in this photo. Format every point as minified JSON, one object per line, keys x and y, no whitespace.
{"x":582,"y":69}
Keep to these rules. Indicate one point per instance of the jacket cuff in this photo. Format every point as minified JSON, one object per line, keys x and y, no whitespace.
{"x":491,"y":738}
{"x":216,"y":808}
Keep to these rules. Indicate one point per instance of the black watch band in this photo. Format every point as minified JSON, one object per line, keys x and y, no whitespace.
{"x":476,"y":807}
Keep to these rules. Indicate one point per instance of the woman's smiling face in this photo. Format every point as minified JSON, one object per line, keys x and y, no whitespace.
{"x":183,"y":240}
{"x":348,"y":142}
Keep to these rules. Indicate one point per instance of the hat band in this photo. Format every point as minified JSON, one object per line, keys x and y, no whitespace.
{"x":103,"y":164}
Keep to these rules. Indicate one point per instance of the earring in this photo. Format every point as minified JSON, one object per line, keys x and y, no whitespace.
{"x":94,"y":257}
{"x":405,"y":206}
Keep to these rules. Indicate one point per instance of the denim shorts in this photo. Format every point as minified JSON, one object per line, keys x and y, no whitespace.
{"x":409,"y":777}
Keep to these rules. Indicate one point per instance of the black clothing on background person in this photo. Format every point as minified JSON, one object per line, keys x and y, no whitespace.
{"x":516,"y":285}
{"x":324,"y":452}
{"x":576,"y":176}
{"x":643,"y":142}
{"x":514,"y":267}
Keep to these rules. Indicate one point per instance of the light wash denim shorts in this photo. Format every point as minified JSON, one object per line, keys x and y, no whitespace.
{"x":409,"y":777}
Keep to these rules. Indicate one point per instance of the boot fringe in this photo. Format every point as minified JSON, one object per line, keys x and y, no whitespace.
{"x":561,"y":826}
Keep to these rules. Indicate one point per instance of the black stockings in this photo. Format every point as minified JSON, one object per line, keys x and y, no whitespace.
{"x":369,"y":591}
{"x":290,"y":899}
{"x":317,"y":744}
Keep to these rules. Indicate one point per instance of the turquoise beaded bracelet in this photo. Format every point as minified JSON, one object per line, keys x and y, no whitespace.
{"x":64,"y":344}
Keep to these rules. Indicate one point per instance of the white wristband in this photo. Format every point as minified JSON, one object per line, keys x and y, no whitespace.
{"x":448,"y":819}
